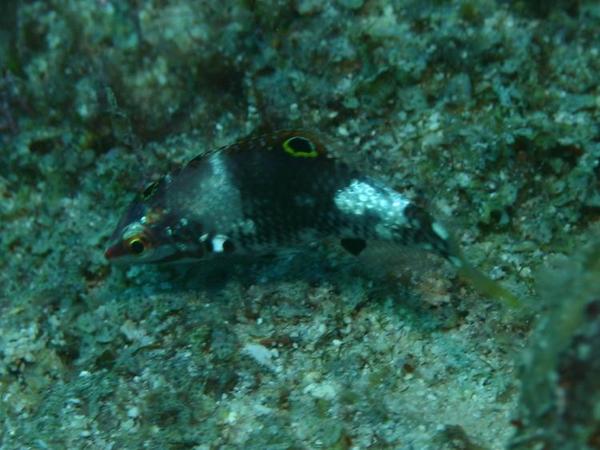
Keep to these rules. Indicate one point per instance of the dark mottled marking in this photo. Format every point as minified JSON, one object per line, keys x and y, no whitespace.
{"x":354,"y":246}
{"x":270,"y":199}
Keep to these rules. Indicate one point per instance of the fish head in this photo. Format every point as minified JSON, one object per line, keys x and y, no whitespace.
{"x":141,"y":236}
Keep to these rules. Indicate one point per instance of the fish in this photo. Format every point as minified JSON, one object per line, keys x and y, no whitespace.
{"x":274,"y":191}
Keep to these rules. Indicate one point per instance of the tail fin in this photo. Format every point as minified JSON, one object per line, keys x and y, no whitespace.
{"x":487,"y":286}
{"x":478,"y":279}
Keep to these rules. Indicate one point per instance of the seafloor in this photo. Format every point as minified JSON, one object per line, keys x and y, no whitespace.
{"x":488,"y":111}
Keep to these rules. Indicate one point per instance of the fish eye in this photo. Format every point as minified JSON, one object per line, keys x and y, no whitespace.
{"x":136,"y":246}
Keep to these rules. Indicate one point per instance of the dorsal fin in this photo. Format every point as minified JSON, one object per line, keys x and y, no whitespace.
{"x":295,"y":143}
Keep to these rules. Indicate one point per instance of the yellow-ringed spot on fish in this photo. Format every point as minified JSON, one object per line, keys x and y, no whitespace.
{"x":279,"y":190}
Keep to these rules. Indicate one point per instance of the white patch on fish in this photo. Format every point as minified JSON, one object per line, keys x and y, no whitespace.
{"x":218,"y":243}
{"x":361,"y":197}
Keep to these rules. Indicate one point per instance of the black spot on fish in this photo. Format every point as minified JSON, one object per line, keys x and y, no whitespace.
{"x":353,"y":245}
{"x":300,"y":146}
{"x":228,"y":246}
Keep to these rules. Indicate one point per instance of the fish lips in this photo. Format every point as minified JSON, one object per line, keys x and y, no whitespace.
{"x":115,"y":252}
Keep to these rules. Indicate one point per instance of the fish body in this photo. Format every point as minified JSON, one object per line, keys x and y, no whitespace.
{"x":268,"y":192}
{"x":265,"y":193}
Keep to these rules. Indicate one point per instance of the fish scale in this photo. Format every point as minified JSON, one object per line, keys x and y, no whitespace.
{"x":262,"y":194}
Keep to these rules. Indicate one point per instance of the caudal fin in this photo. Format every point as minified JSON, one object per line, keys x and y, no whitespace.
{"x":487,"y":286}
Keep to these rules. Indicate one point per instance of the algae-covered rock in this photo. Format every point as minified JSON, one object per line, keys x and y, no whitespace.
{"x":560,"y":372}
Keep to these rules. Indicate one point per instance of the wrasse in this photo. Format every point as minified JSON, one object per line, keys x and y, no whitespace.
{"x":270,"y":192}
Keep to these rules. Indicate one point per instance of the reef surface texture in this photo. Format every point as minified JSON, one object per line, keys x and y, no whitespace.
{"x":487,"y":110}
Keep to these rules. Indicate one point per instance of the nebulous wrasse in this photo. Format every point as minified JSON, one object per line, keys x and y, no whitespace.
{"x":270,"y":192}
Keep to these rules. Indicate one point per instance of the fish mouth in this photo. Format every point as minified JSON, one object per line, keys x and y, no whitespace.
{"x":114,"y":251}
